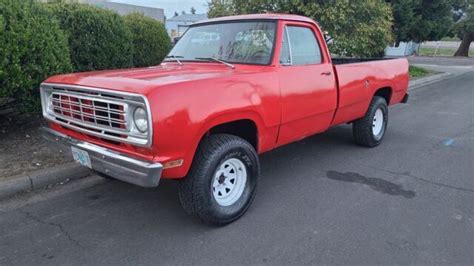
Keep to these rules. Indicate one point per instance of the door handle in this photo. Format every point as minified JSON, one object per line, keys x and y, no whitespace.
{"x":328,"y":73}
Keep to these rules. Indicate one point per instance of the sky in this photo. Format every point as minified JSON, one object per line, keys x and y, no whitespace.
{"x":170,"y":6}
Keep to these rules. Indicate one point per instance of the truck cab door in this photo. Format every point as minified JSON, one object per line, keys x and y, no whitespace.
{"x":307,"y":83}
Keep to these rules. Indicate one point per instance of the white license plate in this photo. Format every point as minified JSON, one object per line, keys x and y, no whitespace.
{"x":81,"y":157}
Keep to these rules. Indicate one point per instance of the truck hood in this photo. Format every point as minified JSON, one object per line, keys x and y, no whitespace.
{"x":142,"y":80}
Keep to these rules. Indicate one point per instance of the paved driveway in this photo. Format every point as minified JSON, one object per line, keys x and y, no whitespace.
{"x":321,"y":200}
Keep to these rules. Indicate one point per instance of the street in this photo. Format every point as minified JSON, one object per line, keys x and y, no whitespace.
{"x":320,"y":200}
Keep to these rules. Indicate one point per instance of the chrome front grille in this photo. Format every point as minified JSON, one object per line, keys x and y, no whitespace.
{"x":101,"y":113}
{"x":110,"y":114}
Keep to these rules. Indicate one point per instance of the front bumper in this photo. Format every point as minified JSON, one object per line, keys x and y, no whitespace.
{"x":108,"y":162}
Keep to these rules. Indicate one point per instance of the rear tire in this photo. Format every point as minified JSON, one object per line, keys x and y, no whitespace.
{"x":222,"y":181}
{"x":370,"y":130}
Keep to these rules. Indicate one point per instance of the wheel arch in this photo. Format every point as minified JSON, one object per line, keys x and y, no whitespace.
{"x":227,"y":124}
{"x":384,"y":92}
{"x":243,"y":128}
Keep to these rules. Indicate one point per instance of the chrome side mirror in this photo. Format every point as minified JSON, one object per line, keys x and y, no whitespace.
{"x":329,"y":40}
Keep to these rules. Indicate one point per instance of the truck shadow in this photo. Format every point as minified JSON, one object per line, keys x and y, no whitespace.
{"x":337,"y":142}
{"x":161,"y":205}
{"x":117,"y":214}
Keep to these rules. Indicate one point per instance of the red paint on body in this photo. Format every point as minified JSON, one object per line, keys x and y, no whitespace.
{"x":285,"y":103}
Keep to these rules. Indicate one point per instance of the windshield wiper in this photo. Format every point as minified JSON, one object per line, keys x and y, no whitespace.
{"x":217,"y":60}
{"x":175,"y":57}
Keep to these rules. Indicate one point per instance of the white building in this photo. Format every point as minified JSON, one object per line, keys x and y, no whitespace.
{"x":176,"y":26}
{"x":403,"y":49}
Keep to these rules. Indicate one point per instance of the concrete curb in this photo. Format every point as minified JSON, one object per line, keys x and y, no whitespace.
{"x":41,"y":179}
{"x":421,"y":82}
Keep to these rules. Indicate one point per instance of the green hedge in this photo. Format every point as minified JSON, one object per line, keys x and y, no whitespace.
{"x":39,"y":40}
{"x":151,"y":42}
{"x":98,"y":38}
{"x":32,"y":48}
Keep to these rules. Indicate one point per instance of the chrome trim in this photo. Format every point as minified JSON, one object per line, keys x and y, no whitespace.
{"x":289,"y":45}
{"x":128,"y":100}
{"x":83,"y":114}
{"x":109,"y":162}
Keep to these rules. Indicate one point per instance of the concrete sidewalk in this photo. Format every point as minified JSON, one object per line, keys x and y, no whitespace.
{"x":443,"y":72}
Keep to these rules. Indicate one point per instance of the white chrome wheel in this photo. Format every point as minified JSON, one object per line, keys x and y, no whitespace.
{"x":377,"y":123}
{"x":229,"y":182}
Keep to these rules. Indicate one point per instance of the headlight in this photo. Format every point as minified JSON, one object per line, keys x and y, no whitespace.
{"x":140,"y":119}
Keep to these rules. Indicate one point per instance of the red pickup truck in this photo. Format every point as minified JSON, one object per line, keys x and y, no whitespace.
{"x":230,"y":89}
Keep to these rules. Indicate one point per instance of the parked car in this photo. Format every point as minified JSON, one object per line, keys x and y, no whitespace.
{"x":204,"y":114}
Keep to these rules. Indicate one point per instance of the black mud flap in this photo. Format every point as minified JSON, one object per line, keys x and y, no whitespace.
{"x":405,"y":99}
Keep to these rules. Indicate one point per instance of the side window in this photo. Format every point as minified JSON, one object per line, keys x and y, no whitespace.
{"x":285,"y":57}
{"x":304,"y":46}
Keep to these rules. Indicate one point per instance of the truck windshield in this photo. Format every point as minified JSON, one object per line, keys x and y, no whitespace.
{"x":244,"y":42}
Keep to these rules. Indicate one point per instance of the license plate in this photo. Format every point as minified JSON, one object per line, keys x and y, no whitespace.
{"x":81,"y":157}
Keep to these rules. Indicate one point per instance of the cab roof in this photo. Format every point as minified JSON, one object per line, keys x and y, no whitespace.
{"x":266,"y":16}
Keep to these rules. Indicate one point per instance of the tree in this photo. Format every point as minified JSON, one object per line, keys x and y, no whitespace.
{"x":176,"y":14}
{"x":359,"y":28}
{"x":151,"y":42}
{"x":193,"y":10}
{"x":465,"y":29}
{"x":183,"y":12}
{"x":422,"y":20}
{"x":220,"y":8}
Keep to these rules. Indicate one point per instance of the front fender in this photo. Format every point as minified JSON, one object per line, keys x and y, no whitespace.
{"x":185,"y":112}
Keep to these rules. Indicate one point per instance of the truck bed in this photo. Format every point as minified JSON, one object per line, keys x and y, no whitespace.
{"x":348,"y":60}
{"x":359,"y":79}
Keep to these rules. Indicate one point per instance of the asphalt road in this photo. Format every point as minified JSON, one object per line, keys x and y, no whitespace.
{"x":320,"y":200}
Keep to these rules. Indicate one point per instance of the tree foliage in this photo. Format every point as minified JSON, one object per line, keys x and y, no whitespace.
{"x":422,"y":20}
{"x":466,"y":24}
{"x":32,"y":47}
{"x":151,"y":42}
{"x":359,"y":28}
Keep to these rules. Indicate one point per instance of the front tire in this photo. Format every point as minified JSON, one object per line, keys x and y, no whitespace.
{"x":370,"y":130}
{"x":222,"y":181}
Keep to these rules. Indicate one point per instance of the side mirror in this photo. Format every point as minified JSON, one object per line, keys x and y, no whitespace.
{"x":329,"y":40}
{"x":175,"y":40}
